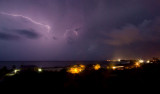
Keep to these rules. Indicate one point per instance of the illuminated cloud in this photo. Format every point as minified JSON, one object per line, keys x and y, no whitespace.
{"x":79,"y":29}
{"x":27,"y":18}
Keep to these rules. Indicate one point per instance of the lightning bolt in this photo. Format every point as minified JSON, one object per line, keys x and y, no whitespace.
{"x":29,"y":19}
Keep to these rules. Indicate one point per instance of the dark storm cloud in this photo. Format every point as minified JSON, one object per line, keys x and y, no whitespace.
{"x":28,"y":34}
{"x":148,"y":30}
{"x":18,"y":34}
{"x":126,"y":35}
{"x":54,"y":38}
{"x":6,"y":36}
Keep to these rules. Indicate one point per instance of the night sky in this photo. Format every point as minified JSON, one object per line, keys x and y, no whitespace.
{"x":64,"y":30}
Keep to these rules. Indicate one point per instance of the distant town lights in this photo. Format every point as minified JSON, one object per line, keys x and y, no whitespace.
{"x":137,"y":64}
{"x":97,"y":67}
{"x":148,"y":61}
{"x":76,"y":69}
{"x":39,"y":70}
{"x":141,"y":61}
{"x":113,"y":67}
{"x":16,"y":70}
{"x":119,"y":60}
{"x":82,"y":66}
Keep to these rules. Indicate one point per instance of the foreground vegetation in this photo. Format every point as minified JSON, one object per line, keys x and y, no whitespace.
{"x":143,"y":78}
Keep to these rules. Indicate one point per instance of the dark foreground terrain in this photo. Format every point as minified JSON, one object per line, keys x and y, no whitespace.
{"x":143,"y":79}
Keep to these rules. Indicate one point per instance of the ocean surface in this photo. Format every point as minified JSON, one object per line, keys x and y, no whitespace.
{"x":9,"y":64}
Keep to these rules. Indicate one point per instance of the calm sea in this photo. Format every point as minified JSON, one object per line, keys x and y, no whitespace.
{"x":9,"y":64}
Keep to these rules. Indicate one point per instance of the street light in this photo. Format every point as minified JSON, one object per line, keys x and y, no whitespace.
{"x":39,"y":70}
{"x":141,"y":61}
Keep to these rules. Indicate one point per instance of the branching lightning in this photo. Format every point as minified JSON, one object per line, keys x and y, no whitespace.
{"x":29,"y":19}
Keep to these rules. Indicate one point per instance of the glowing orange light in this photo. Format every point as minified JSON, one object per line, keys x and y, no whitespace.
{"x":113,"y":67}
{"x":82,"y":66}
{"x":76,"y":69}
{"x":137,"y":64}
{"x":97,"y":67}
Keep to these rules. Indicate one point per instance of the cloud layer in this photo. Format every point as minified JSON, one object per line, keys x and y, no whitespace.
{"x":80,"y":29}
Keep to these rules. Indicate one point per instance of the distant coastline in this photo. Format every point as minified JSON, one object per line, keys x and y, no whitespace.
{"x":9,"y":64}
